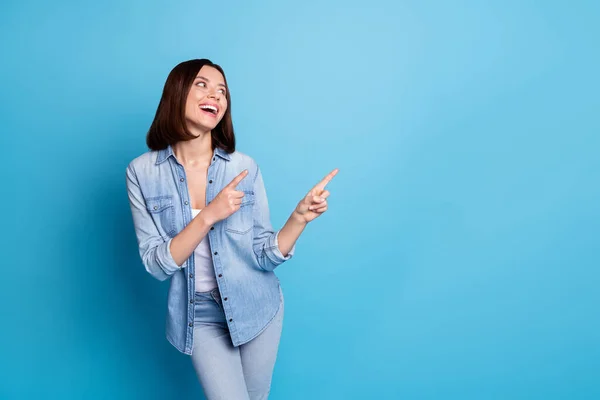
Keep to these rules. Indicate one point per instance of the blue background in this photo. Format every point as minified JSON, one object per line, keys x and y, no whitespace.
{"x":459,"y":258}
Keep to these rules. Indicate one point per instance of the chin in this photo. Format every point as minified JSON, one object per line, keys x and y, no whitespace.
{"x":201,"y":125}
{"x":210,"y":127}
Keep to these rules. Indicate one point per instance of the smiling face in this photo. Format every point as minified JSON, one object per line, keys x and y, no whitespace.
{"x":206,"y":101}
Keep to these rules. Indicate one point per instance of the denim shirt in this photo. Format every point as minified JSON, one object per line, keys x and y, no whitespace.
{"x":244,"y":246}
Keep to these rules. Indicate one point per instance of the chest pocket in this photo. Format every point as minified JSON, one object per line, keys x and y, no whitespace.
{"x":163,"y":213}
{"x":241,"y":221}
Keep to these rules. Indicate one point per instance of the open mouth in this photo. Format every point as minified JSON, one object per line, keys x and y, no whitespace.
{"x":209,"y":109}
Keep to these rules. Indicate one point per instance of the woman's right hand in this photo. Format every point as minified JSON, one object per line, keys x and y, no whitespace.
{"x":226,"y":202}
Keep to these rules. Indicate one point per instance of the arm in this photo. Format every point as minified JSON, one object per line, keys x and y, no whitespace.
{"x":312,"y":206}
{"x":290,"y":233}
{"x":161,"y":258}
{"x":189,"y":238}
{"x":271,"y":248}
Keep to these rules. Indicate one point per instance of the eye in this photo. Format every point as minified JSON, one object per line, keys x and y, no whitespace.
{"x":222,"y":91}
{"x":203,"y":84}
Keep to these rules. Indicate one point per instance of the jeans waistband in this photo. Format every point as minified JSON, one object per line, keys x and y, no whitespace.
{"x":209,"y":294}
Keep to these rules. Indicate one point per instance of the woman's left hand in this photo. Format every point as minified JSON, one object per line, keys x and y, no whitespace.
{"x":315,"y":202}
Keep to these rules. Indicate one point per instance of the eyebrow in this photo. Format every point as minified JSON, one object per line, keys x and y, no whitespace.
{"x":208,"y":80}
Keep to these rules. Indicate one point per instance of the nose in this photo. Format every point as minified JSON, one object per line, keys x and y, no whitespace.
{"x":214,"y":94}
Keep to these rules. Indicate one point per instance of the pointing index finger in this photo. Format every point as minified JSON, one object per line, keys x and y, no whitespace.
{"x":321,"y":185}
{"x":234,"y":182}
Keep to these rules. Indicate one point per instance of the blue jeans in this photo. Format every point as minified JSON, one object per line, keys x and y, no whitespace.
{"x":227,"y":372}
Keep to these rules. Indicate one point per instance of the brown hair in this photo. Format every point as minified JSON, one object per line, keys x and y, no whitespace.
{"x":169,"y":126}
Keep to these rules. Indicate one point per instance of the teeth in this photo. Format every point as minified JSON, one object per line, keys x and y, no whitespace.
{"x":208,"y":107}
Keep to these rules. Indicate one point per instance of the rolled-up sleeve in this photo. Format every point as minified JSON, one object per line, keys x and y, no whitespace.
{"x":265,"y":243}
{"x":154,"y":250}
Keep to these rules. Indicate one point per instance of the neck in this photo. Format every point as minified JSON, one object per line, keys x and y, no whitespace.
{"x":196,"y":152}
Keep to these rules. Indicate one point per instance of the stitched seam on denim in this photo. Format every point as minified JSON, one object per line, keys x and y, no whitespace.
{"x":255,"y":175}
{"x":266,"y":325}
{"x":249,"y":202}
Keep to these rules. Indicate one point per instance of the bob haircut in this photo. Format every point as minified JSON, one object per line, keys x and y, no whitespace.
{"x":169,"y":124}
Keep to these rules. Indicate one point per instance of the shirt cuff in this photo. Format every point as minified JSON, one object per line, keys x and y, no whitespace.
{"x":273,"y":251}
{"x":166,"y":259}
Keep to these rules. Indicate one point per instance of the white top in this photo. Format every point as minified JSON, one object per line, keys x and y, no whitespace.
{"x":205,"y":272}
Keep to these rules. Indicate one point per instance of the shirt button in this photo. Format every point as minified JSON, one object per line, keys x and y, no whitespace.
{"x":220,"y":275}
{"x":225,"y":299}
{"x":190,"y":324}
{"x":192,"y":301}
{"x":216,"y":252}
{"x":186,"y":203}
{"x":230,"y":319}
{"x":212,"y":228}
{"x":155,"y":207}
{"x":213,"y":159}
{"x":181,"y":180}
{"x":210,"y":181}
{"x":191,"y":275}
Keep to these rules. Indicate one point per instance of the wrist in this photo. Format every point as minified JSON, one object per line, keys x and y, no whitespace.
{"x":206,"y":218}
{"x":297,"y":218}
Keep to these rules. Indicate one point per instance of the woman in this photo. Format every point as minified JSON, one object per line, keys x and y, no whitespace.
{"x":202,"y":219}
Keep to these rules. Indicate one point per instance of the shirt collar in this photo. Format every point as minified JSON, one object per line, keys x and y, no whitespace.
{"x":168,"y":152}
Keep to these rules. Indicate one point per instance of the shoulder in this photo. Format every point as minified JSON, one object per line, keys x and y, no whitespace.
{"x":142,"y":168}
{"x":243,"y":161}
{"x":143,"y":162}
